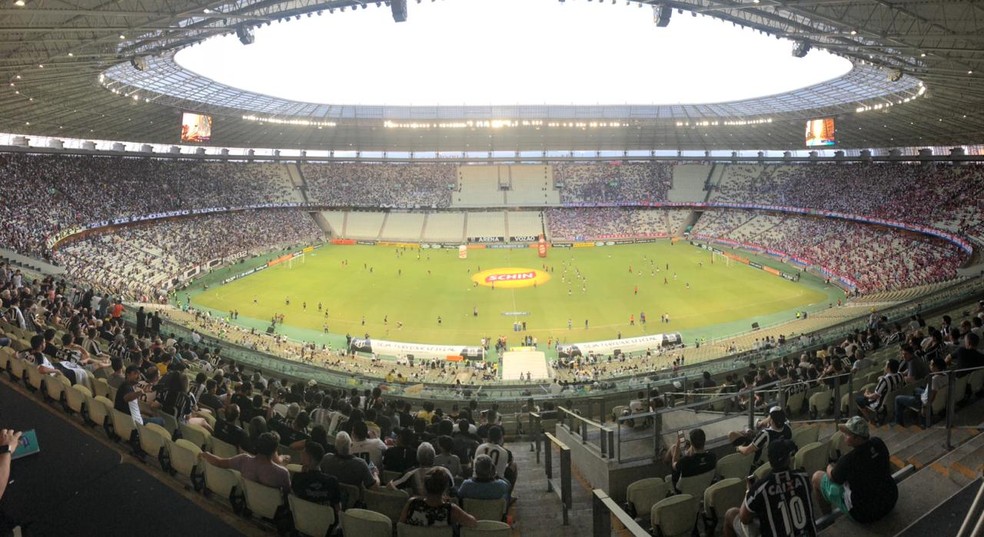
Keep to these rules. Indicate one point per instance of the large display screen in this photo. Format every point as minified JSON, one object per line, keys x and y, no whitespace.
{"x":820,"y":132}
{"x":195,"y":128}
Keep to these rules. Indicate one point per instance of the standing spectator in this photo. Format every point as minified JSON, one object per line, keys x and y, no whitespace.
{"x":861,"y":482}
{"x":778,"y":505}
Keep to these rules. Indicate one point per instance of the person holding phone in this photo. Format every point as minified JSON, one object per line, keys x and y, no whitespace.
{"x":689,"y":458}
{"x":9,"y":440}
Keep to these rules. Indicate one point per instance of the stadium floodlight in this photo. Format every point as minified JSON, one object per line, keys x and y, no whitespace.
{"x":662,"y":14}
{"x":894,"y":75}
{"x":399,"y":9}
{"x":800,"y":48}
{"x":245,"y":34}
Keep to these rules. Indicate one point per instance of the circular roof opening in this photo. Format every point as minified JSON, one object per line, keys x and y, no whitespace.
{"x":509,"y":52}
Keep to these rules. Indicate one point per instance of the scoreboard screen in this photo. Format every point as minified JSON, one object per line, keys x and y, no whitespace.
{"x":820,"y":132}
{"x":195,"y":128}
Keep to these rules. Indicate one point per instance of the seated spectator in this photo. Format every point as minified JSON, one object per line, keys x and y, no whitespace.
{"x":311,"y":483}
{"x":415,"y":478}
{"x":860,"y":484}
{"x":402,"y":456}
{"x":485,"y":485}
{"x":347,"y":468}
{"x":446,"y":457}
{"x":210,"y":398}
{"x":690,"y":460}
{"x":369,"y":449}
{"x":870,"y":403}
{"x":226,"y":429}
{"x":263,"y":468}
{"x":505,"y":467}
{"x":778,"y":504}
{"x":128,"y":398}
{"x":923,"y":396}
{"x":432,"y":508}
{"x":769,"y":429}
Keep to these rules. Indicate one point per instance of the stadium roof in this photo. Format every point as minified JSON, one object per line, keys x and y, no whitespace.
{"x":53,"y":53}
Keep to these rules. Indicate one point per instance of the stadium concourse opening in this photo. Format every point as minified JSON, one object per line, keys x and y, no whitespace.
{"x":511,"y":278}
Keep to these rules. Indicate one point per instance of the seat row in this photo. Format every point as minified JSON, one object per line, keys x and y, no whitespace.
{"x":177,"y":449}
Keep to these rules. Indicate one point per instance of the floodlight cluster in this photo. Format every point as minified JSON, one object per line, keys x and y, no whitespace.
{"x":889,"y":104}
{"x":294,"y":122}
{"x":502,"y":124}
{"x":727,"y":123}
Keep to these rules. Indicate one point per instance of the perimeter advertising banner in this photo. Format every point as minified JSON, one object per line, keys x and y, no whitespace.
{"x":631,"y":344}
{"x":417,"y":350}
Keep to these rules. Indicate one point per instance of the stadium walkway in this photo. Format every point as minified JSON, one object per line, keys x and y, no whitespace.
{"x":538,"y":513}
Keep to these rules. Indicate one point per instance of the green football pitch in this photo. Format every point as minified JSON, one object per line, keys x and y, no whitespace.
{"x":428,"y":295}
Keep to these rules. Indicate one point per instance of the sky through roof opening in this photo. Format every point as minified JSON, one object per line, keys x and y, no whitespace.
{"x":509,"y":52}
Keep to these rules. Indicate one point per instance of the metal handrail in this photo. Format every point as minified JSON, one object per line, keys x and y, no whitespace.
{"x":602,"y":510}
{"x":951,"y":400}
{"x":973,"y":514}
{"x":565,"y":493}
{"x":606,"y":444}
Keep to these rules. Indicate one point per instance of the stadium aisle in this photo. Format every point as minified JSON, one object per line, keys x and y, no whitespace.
{"x":538,"y":513}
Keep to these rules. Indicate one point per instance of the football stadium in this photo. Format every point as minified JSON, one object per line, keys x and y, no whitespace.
{"x":492,"y":267}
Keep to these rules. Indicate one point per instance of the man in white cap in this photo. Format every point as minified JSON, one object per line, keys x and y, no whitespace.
{"x":860,"y":483}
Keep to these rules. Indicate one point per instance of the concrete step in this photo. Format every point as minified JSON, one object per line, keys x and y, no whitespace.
{"x":969,"y":467}
{"x":947,"y":517}
{"x":965,"y":456}
{"x":929,"y":447}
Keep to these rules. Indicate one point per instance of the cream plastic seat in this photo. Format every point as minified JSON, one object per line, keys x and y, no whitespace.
{"x":351,"y":495}
{"x":485,"y":509}
{"x":124,"y":426}
{"x":55,"y":387}
{"x":365,"y":523}
{"x":262,"y":500}
{"x":155,"y":441}
{"x":101,"y":387}
{"x":223,"y":449}
{"x":761,"y":471}
{"x":734,"y":465}
{"x":805,"y":435}
{"x":100,"y":411}
{"x":695,"y":485}
{"x":645,"y":493}
{"x":720,"y":497}
{"x":311,"y":519}
{"x":406,"y":530}
{"x":812,"y":457}
{"x":385,"y":501}
{"x":675,"y":516}
{"x":34,"y":377}
{"x":16,"y":368}
{"x":196,"y":435}
{"x":488,"y":528}
{"x":820,"y":403}
{"x":223,"y":483}
{"x":184,"y":461}
{"x":77,"y":399}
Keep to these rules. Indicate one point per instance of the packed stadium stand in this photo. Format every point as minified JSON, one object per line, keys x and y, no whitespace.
{"x":159,"y":417}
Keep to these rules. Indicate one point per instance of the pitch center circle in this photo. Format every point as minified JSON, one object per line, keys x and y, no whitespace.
{"x":511,"y":277}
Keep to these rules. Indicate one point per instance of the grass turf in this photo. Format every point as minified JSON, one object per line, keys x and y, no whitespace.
{"x":375,"y":289}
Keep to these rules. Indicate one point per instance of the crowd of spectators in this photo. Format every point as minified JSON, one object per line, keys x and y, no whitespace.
{"x":613,"y":182}
{"x":609,"y":223}
{"x":43,"y":194}
{"x":141,"y":263}
{"x":416,"y":185}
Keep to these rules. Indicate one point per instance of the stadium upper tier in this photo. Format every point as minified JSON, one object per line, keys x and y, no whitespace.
{"x":45,"y":195}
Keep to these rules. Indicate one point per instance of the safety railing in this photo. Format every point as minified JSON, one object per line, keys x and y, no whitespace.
{"x":976,"y":513}
{"x":958,"y":382}
{"x":582,"y":428}
{"x":562,"y":487}
{"x":603,"y":509}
